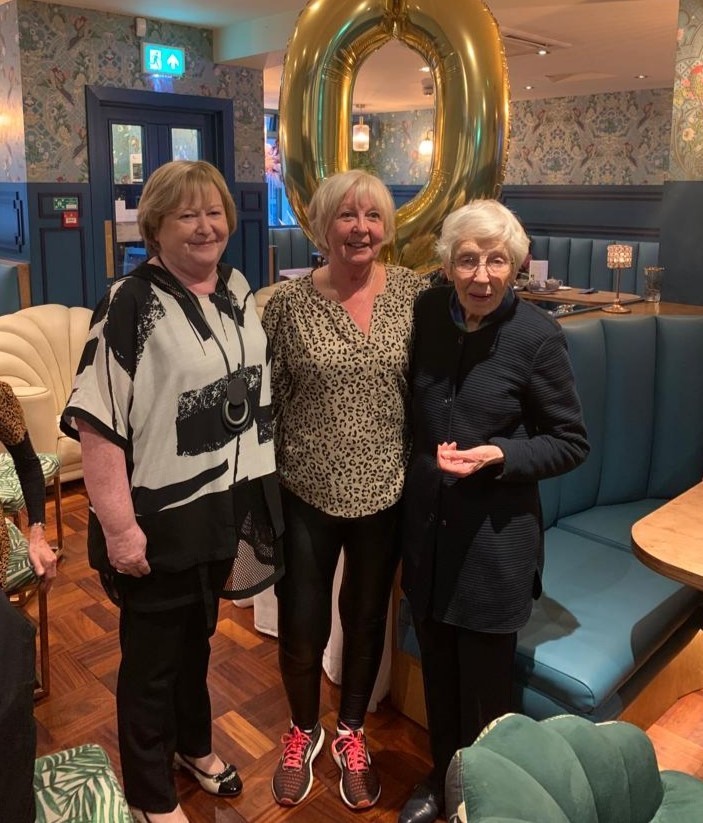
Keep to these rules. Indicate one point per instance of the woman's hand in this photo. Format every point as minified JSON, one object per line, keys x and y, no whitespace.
{"x":41,"y":556}
{"x":463,"y":463}
{"x":105,"y":478}
{"x":126,"y":551}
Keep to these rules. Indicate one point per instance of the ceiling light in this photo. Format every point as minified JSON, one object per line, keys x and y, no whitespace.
{"x":529,"y":88}
{"x":641,"y":76}
{"x":426,"y":69}
{"x":426,"y":144}
{"x":360,"y":133}
{"x":542,"y":50}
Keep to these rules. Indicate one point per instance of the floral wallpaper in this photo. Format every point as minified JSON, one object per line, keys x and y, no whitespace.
{"x":687,"y":117}
{"x":64,"y":49}
{"x":608,"y":139}
{"x":619,"y":138}
{"x":13,"y":166}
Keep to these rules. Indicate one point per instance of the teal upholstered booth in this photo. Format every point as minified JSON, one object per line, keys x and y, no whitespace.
{"x":293,"y":250}
{"x":581,"y":262}
{"x":567,"y":770}
{"x":606,"y":624}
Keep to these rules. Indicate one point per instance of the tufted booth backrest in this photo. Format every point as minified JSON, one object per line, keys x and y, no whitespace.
{"x":581,"y":262}
{"x":293,"y":249}
{"x":641,"y":387}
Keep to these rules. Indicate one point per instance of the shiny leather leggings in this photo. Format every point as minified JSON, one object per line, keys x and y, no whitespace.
{"x":312,"y":544}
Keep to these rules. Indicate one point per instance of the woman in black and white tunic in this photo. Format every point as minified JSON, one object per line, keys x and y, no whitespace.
{"x":172,"y":407}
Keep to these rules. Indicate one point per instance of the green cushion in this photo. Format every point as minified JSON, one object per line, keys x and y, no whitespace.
{"x":19,"y":569}
{"x":78,"y":786}
{"x":567,"y":770}
{"x":11,"y":495}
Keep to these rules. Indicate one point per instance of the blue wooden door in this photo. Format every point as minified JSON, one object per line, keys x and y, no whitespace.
{"x":129,"y":135}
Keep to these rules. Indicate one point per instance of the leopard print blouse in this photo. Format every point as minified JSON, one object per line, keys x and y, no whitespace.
{"x":339,"y":397}
{"x":12,"y":432}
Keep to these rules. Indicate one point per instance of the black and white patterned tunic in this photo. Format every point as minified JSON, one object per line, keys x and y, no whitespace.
{"x":152,"y":379}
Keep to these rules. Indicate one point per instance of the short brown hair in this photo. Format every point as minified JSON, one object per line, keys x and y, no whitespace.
{"x":330,"y":193}
{"x":169,"y":185}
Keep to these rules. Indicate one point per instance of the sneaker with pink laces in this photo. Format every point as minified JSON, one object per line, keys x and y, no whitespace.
{"x":359,"y":785}
{"x":292,"y":779}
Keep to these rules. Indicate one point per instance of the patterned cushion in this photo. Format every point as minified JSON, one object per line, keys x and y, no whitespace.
{"x":19,"y":569}
{"x":78,"y":786}
{"x":11,"y":496}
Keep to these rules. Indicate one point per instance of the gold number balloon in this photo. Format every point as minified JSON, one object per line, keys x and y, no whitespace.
{"x":462,"y":46}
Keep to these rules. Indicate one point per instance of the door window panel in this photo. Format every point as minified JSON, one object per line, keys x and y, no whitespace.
{"x":128,"y":180}
{"x":186,"y":144}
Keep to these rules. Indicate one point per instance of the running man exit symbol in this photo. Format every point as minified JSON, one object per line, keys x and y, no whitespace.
{"x":157,"y":59}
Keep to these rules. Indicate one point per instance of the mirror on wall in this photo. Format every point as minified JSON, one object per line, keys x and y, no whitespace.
{"x":399,"y":115}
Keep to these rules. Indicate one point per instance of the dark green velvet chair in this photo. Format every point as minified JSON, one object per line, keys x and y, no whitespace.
{"x":566,"y":769}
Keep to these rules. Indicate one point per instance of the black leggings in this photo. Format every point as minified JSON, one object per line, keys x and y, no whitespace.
{"x":312,"y":544}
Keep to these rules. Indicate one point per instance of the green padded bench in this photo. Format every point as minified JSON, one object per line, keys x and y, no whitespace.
{"x":566,"y":770}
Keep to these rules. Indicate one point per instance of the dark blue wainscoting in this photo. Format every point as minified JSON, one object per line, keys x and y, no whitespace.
{"x":14,"y":239}
{"x":64,"y":267}
{"x":588,"y":211}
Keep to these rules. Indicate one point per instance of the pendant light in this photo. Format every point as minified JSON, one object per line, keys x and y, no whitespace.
{"x":360,"y":132}
{"x":426,"y":144}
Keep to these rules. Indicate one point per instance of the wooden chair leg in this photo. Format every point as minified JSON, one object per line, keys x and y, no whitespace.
{"x":43,"y":680}
{"x":57,"y":509}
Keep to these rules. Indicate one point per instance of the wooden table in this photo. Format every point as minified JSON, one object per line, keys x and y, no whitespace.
{"x":575,"y":296}
{"x":670,"y":539}
{"x":642,"y":308}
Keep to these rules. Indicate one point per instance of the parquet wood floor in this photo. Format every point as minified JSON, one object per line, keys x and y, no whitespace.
{"x":249,"y":707}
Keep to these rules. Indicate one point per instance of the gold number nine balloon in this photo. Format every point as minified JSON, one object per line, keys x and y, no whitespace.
{"x":462,"y":46}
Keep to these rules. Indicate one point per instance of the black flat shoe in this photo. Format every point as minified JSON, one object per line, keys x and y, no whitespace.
{"x":225,"y":784}
{"x":423,"y":806}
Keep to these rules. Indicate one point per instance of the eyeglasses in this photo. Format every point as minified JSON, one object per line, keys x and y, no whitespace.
{"x":495,"y":263}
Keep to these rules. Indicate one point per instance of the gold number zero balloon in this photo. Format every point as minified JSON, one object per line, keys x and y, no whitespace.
{"x":462,"y":46}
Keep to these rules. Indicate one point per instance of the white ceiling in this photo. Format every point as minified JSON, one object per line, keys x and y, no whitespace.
{"x":595,"y":45}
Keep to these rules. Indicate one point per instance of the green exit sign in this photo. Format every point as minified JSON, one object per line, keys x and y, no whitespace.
{"x":163,"y":60}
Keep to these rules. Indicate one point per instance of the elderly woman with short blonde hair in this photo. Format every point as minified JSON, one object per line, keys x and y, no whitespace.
{"x":340,"y":339}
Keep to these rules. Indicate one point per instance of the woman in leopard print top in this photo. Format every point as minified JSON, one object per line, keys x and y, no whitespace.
{"x":14,"y":437}
{"x":340,"y":339}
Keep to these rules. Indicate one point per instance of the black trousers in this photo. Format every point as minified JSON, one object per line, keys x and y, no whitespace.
{"x":312,"y":544}
{"x":468,"y":679}
{"x":163,"y":705}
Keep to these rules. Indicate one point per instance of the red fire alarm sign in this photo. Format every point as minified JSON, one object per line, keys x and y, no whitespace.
{"x":69,"y":219}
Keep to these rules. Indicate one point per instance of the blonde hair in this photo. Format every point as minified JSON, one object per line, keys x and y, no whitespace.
{"x":172,"y":184}
{"x":330,"y":193}
{"x":483,"y":221}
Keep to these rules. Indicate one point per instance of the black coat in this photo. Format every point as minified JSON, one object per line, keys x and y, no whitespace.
{"x":473,"y":547}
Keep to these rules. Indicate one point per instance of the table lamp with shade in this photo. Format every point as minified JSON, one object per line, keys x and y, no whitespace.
{"x":619,"y":257}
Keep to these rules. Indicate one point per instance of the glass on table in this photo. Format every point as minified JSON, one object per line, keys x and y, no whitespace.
{"x":653,"y":276}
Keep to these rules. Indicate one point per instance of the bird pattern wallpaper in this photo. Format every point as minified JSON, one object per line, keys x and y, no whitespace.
{"x":49,"y":53}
